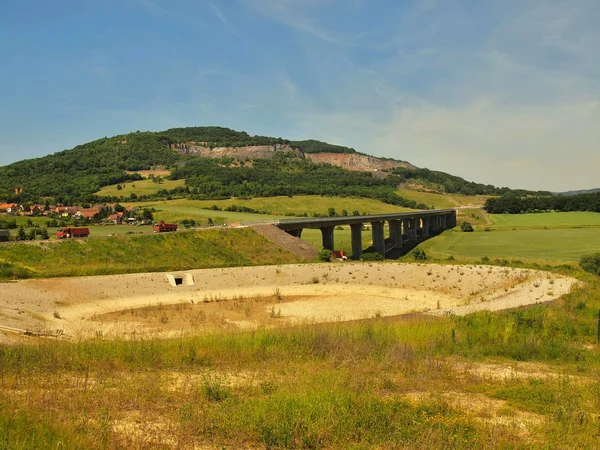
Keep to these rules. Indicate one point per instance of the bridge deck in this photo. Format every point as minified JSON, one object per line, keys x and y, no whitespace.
{"x":320,"y":222}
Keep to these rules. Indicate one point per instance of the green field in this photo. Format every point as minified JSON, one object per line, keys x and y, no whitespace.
{"x":441,"y":201}
{"x":178,"y":210}
{"x":280,"y":206}
{"x":147,"y":253}
{"x":552,"y":219}
{"x":554,"y":245}
{"x":139,"y":187}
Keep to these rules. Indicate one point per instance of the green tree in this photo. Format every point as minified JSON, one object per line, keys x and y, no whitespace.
{"x":147,"y":215}
{"x":344,"y":213}
{"x":324,"y":255}
{"x":331,"y":212}
{"x":591,"y":263}
{"x":419,"y":254}
{"x":466,"y":227}
{"x":21,"y":236}
{"x":44,"y":234}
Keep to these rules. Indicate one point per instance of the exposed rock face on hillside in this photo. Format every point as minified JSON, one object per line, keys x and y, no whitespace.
{"x":351,"y":161}
{"x":348,"y":161}
{"x":242,"y":153}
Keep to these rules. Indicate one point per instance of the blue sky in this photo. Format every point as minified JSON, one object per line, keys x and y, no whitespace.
{"x":501,"y":92}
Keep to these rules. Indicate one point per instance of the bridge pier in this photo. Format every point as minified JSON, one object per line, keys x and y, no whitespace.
{"x":378,"y":237}
{"x":327,"y":233}
{"x":409,"y":226}
{"x":296,"y":233}
{"x":356,"y":233}
{"x":396,"y":232}
{"x":435,"y":222}
{"x":425,"y":227}
{"x":414,"y":225}
{"x":452,"y":221}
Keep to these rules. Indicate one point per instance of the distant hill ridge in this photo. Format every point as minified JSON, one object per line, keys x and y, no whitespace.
{"x":218,"y":162}
{"x":583,"y":191}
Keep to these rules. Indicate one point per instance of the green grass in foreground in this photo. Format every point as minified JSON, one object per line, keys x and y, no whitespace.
{"x":341,"y":385}
{"x":147,"y":253}
{"x":550,"y":220}
{"x":556,"y":245}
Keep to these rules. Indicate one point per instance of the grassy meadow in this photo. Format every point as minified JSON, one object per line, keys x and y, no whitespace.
{"x":542,"y":237}
{"x":278,"y":207}
{"x":139,"y":187}
{"x":442,"y":201}
{"x":551,"y":245}
{"x":413,"y":383}
{"x":143,"y":253}
{"x":547,"y":220}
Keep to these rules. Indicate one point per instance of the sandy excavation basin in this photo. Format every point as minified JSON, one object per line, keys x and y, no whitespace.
{"x":247,"y":297}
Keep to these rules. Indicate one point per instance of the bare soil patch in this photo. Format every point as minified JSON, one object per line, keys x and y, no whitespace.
{"x":250,"y":297}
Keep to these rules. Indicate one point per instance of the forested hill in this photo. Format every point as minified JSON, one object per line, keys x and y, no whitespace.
{"x":584,"y":191}
{"x":73,"y":176}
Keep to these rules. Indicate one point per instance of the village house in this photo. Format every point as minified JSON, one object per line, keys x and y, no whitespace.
{"x":10,"y":208}
{"x":116,"y":218}
{"x":88,"y":213}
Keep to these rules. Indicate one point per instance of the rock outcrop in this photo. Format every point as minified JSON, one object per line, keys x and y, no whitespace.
{"x":239,"y":153}
{"x":348,"y":161}
{"x":353,"y":161}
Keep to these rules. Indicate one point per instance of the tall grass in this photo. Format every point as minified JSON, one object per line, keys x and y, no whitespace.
{"x":337,"y":385}
{"x":126,"y":254}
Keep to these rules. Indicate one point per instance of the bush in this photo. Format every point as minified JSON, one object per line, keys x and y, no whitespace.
{"x":466,"y":227}
{"x":372,"y":256}
{"x":419,"y":254}
{"x":324,"y":255}
{"x":591,"y":263}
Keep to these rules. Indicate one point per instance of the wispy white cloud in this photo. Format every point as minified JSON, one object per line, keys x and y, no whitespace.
{"x":519,"y":106}
{"x":221,"y":16}
{"x":300,"y":15}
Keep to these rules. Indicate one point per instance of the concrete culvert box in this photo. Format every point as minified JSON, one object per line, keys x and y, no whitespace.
{"x":185,"y":279}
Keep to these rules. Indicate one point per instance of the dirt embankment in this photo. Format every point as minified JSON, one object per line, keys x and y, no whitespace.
{"x":250,"y":297}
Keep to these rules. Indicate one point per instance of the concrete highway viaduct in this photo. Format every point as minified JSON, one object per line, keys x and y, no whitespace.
{"x":407,"y":228}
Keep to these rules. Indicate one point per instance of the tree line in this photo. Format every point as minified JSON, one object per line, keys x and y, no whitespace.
{"x":512,"y":204}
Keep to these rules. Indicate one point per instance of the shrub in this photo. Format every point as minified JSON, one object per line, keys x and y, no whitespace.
{"x":372,"y":256}
{"x":591,"y":263}
{"x":419,"y":254}
{"x":466,"y":227}
{"x":324,"y":255}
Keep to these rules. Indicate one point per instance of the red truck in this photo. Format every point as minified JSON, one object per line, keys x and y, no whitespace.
{"x":162,"y":227}
{"x":64,"y":233}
